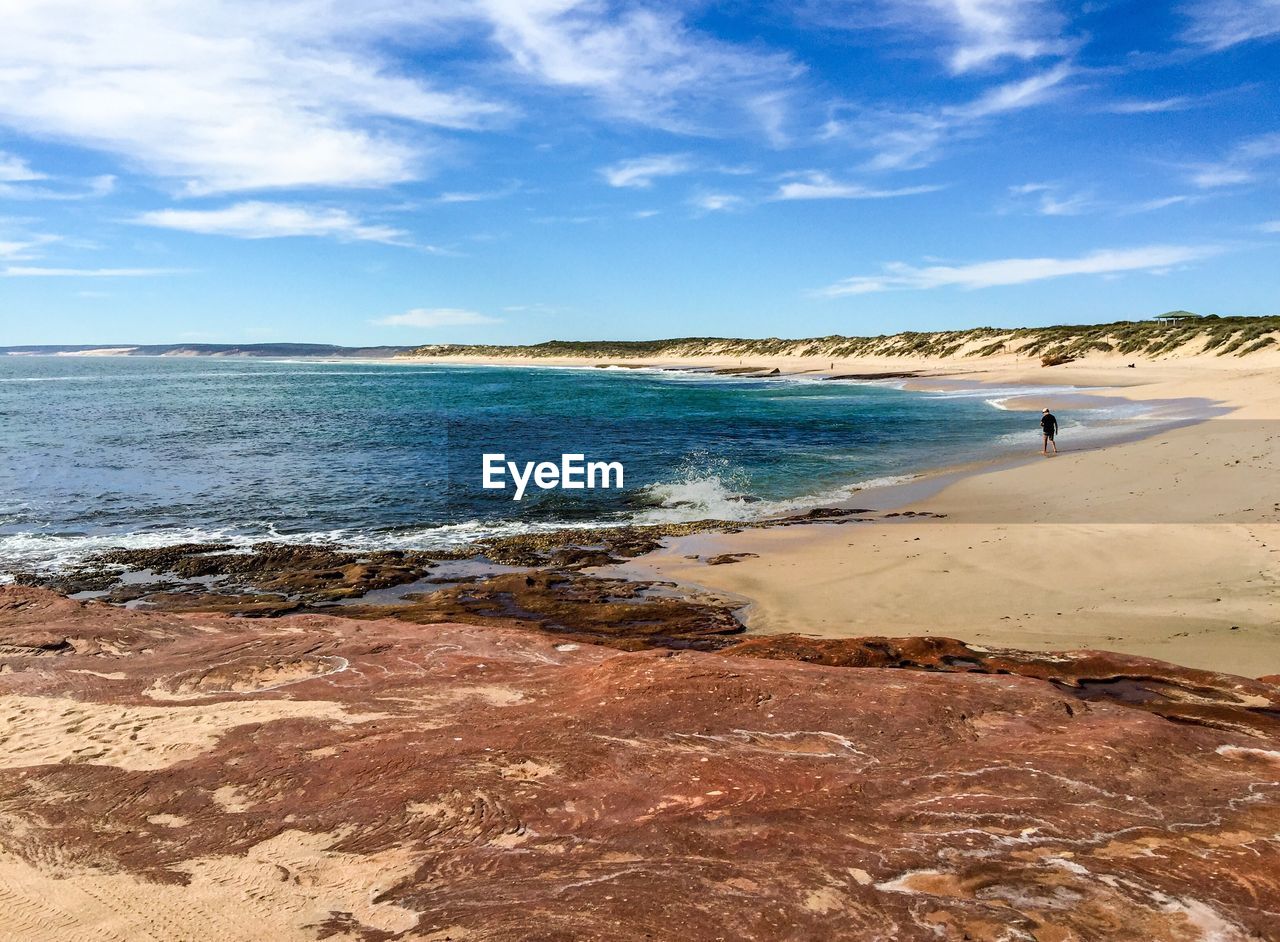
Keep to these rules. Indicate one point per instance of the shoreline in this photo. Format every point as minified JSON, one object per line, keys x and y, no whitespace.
{"x":887,"y":493}
{"x":1139,"y":547}
{"x":1133,"y":546}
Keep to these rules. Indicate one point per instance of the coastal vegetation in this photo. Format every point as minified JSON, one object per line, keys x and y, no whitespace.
{"x":1178,"y":331}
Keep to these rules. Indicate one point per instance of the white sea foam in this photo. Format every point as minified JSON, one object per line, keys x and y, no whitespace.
{"x":891,"y":480}
{"x":721,"y":494}
{"x":711,"y":497}
{"x":44,"y":552}
{"x":699,"y":498}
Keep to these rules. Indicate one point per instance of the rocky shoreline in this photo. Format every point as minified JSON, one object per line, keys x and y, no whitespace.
{"x":199,"y":775}
{"x":542,"y":582}
{"x":504,"y":743}
{"x":272,"y":579}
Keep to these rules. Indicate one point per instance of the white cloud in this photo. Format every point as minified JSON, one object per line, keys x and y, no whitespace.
{"x":1048,"y":199}
{"x":20,"y":184}
{"x":477,"y":196}
{"x":975,"y":34}
{"x":910,"y":140}
{"x":717,"y":202}
{"x":772,"y":111}
{"x":645,"y":65}
{"x":1273,"y":226}
{"x":819,"y":186}
{"x":26,"y":247}
{"x":227,"y":94}
{"x":1241,"y":164}
{"x":16,"y":170}
{"x":642,"y":171}
{"x":1209,"y":177}
{"x":1016,"y":271}
{"x":1153,"y":105}
{"x":1013,"y":96}
{"x":436,"y":317}
{"x":901,"y":141}
{"x":1162,"y":202}
{"x":18,"y":271}
{"x":233,"y":95}
{"x":259,"y":220}
{"x":1218,"y":24}
{"x":989,"y":30}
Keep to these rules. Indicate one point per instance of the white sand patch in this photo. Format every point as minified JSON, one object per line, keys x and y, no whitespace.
{"x":52,"y":730}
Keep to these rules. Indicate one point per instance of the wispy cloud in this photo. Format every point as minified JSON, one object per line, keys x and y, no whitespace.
{"x":1016,"y":271}
{"x":972,"y":34}
{"x":640,"y":172}
{"x":717,"y":202}
{"x":897,"y":140}
{"x":1160,"y":202}
{"x":1273,"y":226}
{"x":1216,"y":175}
{"x":1240,"y":165}
{"x":644,"y":64}
{"x":59,"y":190}
{"x":1153,"y":105}
{"x":436,"y":317}
{"x":989,"y":30}
{"x":182,"y":90}
{"x":1219,"y":24}
{"x":1054,"y":199}
{"x":477,"y":196}
{"x":820,"y":186}
{"x":18,"y":180}
{"x":1014,"y":96}
{"x":910,"y":140}
{"x":19,"y":271}
{"x":1049,"y":199}
{"x":772,"y":112}
{"x":14,"y":169}
{"x":260,"y":220}
{"x":25,"y":247}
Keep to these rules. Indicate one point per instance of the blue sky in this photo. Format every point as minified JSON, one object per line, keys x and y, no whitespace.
{"x":517,"y":170}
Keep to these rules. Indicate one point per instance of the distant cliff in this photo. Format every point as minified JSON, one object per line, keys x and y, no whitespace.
{"x":1178,"y":331}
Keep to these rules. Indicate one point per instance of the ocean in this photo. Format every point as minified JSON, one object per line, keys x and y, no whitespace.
{"x":100,"y":452}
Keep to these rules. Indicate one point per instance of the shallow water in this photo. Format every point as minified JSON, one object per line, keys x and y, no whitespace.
{"x":104,"y":452}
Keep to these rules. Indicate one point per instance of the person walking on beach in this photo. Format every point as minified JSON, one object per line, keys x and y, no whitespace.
{"x":1049,"y":425}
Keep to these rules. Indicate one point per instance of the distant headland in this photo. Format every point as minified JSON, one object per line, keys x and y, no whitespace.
{"x":1180,"y":333}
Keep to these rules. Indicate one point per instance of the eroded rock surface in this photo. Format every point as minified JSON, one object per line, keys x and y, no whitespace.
{"x":1183,"y":694}
{"x":269,"y":579}
{"x":615,"y":612}
{"x":198,"y":776}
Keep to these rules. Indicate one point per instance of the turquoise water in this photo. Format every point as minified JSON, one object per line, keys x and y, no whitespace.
{"x":102,"y":452}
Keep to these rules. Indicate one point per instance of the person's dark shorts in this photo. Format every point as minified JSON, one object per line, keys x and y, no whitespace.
{"x":1048,"y":434}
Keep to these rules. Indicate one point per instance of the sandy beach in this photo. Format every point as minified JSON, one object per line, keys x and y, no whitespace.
{"x":1165,"y":547}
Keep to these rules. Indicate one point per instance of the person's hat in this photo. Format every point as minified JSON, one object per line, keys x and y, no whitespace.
{"x":1046,"y":410}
